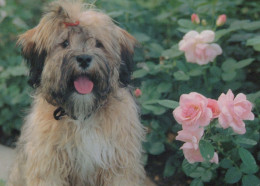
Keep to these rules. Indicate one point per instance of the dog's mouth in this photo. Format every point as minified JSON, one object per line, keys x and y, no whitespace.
{"x":83,"y":85}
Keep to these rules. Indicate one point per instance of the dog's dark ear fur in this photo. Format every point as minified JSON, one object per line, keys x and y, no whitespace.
{"x":33,"y":56}
{"x":127,"y":44}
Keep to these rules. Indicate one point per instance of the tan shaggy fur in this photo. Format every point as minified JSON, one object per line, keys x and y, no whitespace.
{"x":98,"y":141}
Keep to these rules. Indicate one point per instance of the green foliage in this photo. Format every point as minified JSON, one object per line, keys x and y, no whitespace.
{"x":163,"y":75}
{"x":2,"y":182}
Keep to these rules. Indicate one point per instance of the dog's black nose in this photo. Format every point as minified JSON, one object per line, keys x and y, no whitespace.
{"x":84,"y":60}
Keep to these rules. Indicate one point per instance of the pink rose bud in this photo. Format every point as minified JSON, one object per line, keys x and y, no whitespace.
{"x":221,"y":20}
{"x":195,"y":18}
{"x":138,"y":92}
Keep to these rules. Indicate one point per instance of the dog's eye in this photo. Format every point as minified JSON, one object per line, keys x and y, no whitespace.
{"x":99,"y":44}
{"x":65,"y":44}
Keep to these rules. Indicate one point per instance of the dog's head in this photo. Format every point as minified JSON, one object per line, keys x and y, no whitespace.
{"x":77,"y":57}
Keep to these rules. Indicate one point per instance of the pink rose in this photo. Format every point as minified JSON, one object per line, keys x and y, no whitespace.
{"x":195,"y":18}
{"x":197,"y":48}
{"x":234,"y":111}
{"x":193,"y":111}
{"x":221,"y":20}
{"x":192,"y":155}
{"x":190,"y":137}
{"x":191,"y":146}
{"x":213,"y":105}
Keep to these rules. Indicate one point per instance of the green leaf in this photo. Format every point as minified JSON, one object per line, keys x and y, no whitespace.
{"x":198,"y":172}
{"x":181,"y":76}
{"x":257,"y":47}
{"x":251,"y":25}
{"x":253,"y":41}
{"x":244,"y":63}
{"x":140,"y":73}
{"x":164,"y":87}
{"x":156,"y":148}
{"x":185,"y":23}
{"x":245,"y":169}
{"x":141,"y":37}
{"x":248,"y":159}
{"x":250,"y":180}
{"x":169,"y":168}
{"x":233,"y":175}
{"x":2,"y":182}
{"x":226,"y":163}
{"x":196,"y":182}
{"x":206,"y":150}
{"x":206,"y":177}
{"x":252,"y":97}
{"x":168,"y":103}
{"x":229,"y":76}
{"x":158,"y":110}
{"x":188,"y":168}
{"x":228,"y":65}
{"x":195,"y":72}
{"x":245,"y":141}
{"x":172,"y":52}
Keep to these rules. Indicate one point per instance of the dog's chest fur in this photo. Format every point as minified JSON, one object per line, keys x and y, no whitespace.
{"x":83,"y":150}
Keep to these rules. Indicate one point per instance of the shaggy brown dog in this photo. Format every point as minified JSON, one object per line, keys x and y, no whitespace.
{"x":83,"y":127}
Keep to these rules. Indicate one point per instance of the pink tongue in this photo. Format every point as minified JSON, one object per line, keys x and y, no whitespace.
{"x":83,"y":85}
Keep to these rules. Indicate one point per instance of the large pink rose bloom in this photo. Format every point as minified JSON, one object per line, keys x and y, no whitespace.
{"x":233,"y":111}
{"x":193,"y":111}
{"x":197,"y":47}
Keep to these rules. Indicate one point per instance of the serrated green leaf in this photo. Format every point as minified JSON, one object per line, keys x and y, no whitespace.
{"x":248,"y":159}
{"x":233,"y":175}
{"x":169,"y":103}
{"x":206,"y":150}
{"x":250,"y":180}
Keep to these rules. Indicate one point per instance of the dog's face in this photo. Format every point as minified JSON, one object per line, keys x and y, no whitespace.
{"x":77,"y":58}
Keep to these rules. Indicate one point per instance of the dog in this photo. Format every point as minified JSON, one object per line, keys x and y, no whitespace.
{"x":83,"y":127}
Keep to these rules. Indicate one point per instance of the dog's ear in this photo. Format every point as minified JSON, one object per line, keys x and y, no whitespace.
{"x":34,"y":57}
{"x":127,"y":44}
